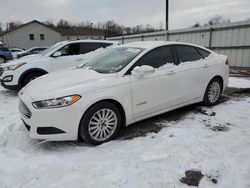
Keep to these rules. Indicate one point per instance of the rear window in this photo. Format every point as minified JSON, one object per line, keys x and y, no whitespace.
{"x":203,"y":53}
{"x":188,"y":53}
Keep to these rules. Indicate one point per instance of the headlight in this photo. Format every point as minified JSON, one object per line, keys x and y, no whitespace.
{"x":57,"y":102}
{"x":14,"y":67}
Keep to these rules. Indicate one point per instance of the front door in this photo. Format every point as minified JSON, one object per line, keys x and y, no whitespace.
{"x":157,"y":91}
{"x":70,"y":57}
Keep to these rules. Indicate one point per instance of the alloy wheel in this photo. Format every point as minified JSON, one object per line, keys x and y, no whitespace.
{"x":214,"y":92}
{"x":102,"y":124}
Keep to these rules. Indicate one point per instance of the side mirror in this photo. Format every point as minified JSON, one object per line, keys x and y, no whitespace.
{"x":142,"y":70}
{"x":57,"y":54}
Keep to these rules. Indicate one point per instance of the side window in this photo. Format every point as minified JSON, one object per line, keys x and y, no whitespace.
{"x":187,"y":53}
{"x":104,"y":45}
{"x":89,"y":47}
{"x":157,"y":57}
{"x":86,"y":48}
{"x":204,"y":53}
{"x":35,"y":51}
{"x":72,"y":49}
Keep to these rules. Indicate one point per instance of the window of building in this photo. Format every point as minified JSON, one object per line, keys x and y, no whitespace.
{"x":32,"y":37}
{"x":42,"y":37}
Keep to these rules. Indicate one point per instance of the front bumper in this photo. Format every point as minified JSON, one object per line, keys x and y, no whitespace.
{"x":58,"y":124}
{"x":10,"y":87}
{"x":13,"y":84}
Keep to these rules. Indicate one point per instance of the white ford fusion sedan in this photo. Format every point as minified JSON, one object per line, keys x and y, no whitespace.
{"x":120,"y":86}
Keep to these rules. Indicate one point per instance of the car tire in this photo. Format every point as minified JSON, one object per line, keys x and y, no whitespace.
{"x":2,"y":59}
{"x":213,"y":92}
{"x":100,"y":123}
{"x":28,"y":78}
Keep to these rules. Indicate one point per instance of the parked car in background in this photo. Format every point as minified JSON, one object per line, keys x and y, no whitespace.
{"x":31,"y":51}
{"x":5,"y":54}
{"x":120,"y":86}
{"x":15,"y":51}
{"x":18,"y":73}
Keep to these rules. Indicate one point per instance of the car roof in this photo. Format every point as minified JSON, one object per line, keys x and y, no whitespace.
{"x":154,"y":44}
{"x":15,"y":48}
{"x":38,"y":47}
{"x":90,"y":41}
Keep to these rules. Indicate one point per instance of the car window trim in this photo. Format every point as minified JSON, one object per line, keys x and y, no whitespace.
{"x":197,"y":48}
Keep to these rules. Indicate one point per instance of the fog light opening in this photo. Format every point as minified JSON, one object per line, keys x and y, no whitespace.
{"x":8,"y":78}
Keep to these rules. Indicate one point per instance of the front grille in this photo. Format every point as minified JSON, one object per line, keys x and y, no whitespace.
{"x":1,"y":71}
{"x":24,"y":110}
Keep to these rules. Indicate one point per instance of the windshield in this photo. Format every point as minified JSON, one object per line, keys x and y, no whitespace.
{"x":52,"y":48}
{"x":112,"y":60}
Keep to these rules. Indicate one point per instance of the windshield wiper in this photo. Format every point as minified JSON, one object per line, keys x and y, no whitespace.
{"x":87,"y":68}
{"x":102,"y":72}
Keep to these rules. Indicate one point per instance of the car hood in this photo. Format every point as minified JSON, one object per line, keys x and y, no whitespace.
{"x":65,"y":82}
{"x":22,"y":60}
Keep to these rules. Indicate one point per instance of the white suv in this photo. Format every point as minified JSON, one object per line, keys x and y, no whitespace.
{"x":16,"y":74}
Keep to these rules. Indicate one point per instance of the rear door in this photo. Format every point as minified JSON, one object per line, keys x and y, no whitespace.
{"x":193,"y":73}
{"x":157,"y":91}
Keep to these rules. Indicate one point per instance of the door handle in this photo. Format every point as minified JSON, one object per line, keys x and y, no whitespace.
{"x":171,"y":73}
{"x":80,"y":59}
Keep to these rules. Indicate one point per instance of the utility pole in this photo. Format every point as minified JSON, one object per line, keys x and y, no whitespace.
{"x":167,"y":14}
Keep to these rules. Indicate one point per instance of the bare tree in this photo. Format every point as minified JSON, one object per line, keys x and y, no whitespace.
{"x":161,"y":26}
{"x":110,"y":28}
{"x":218,"y":19}
{"x":197,"y":25}
{"x":100,"y":26}
{"x":49,"y":23}
{"x":12,"y":25}
{"x":1,"y":27}
{"x":128,"y":30}
{"x":149,"y":28}
{"x":63,"y":24}
{"x":85,"y":24}
{"x":137,"y":29}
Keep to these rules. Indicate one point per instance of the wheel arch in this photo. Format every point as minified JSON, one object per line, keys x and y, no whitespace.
{"x":25,"y":73}
{"x":219,"y":78}
{"x":113,"y":101}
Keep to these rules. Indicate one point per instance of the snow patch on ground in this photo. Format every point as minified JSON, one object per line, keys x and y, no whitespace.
{"x":239,"y":82}
{"x":156,"y":160}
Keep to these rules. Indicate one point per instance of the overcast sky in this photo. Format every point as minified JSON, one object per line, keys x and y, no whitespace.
{"x":183,"y":13}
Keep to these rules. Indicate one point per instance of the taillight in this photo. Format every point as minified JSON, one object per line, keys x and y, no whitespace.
{"x":227,"y":62}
